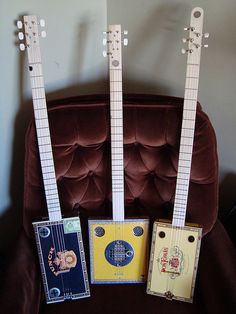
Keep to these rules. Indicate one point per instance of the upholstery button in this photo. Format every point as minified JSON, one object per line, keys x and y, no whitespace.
{"x":136,"y":144}
{"x":90,"y":173}
{"x":152,"y":174}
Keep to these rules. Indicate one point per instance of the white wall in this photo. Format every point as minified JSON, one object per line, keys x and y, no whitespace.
{"x":73,"y":65}
{"x":72,"y":62}
{"x":153,"y":62}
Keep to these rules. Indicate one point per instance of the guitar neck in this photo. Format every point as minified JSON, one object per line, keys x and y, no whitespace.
{"x":41,"y":119}
{"x":188,"y":120}
{"x":116,"y":116}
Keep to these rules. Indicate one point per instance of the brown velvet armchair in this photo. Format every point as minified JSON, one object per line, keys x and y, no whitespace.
{"x":81,"y":145}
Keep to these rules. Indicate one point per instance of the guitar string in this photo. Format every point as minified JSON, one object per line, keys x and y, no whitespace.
{"x":40,"y":115}
{"x":117,"y":151}
{"x":192,"y":77}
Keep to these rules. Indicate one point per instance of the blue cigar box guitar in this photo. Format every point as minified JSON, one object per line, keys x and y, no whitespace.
{"x":59,"y":240}
{"x":118,"y":247}
{"x":175,"y":246}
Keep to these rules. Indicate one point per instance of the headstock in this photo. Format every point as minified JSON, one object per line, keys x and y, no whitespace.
{"x":29,"y":33}
{"x":114,"y":39}
{"x":194,"y":40}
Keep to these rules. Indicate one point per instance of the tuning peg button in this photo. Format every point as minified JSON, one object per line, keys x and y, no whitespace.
{"x":19,"y":24}
{"x":42,"y":23}
{"x":125,"y":32}
{"x":20,"y":35}
{"x":206,"y":35}
{"x":22,"y":47}
{"x":104,"y":53}
{"x":104,"y":41}
{"x":43,"y":34}
{"x":126,"y":41}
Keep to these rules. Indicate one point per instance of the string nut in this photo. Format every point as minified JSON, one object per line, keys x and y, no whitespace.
{"x":19,"y":24}
{"x":42,"y":23}
{"x":126,"y":41}
{"x":43,"y":34}
{"x":22,"y":47}
{"x":20,"y":35}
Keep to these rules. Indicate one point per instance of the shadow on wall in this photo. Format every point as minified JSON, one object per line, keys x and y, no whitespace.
{"x":162,"y":27}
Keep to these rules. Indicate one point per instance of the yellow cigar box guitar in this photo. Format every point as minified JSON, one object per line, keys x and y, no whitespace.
{"x":118,"y":247}
{"x":59,"y":240}
{"x":175,"y":246}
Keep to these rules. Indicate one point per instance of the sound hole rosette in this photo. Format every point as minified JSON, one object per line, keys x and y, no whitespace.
{"x":54,"y":292}
{"x":44,"y":232}
{"x":99,"y":231}
{"x":138,"y":231}
{"x":119,"y":253}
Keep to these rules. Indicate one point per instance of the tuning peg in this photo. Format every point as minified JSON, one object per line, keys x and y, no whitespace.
{"x":189,"y":28}
{"x":206,"y":35}
{"x":43,"y":34}
{"x":183,"y":51}
{"x":42,"y":23}
{"x":104,"y":41}
{"x":19,"y":24}
{"x":22,"y":47}
{"x":20,"y":35}
{"x":126,"y":41}
{"x":125,"y":32}
{"x":187,"y":39}
{"x":104,"y":53}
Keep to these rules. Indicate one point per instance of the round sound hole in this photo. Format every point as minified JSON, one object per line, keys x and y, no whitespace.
{"x":138,"y":231}
{"x":162,"y":234}
{"x":119,"y":253}
{"x":99,"y":231}
{"x":54,"y":292}
{"x":44,"y":232}
{"x":197,"y":14}
{"x":115,"y":63}
{"x":191,"y":239}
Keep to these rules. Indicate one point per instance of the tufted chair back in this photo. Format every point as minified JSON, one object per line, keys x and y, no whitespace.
{"x":80,"y":133}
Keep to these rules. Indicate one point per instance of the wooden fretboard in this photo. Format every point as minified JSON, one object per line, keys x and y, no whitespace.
{"x":188,"y":122}
{"x":116,"y":115}
{"x":41,"y":118}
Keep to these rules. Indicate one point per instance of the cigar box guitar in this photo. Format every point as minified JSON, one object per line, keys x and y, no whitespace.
{"x":59,"y":241}
{"x":118,"y":247}
{"x":175,"y":246}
